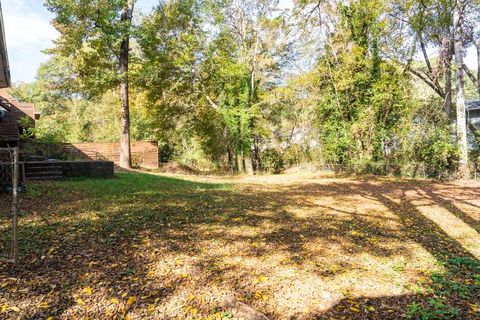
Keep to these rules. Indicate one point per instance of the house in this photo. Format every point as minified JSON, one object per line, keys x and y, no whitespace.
{"x":15,"y":117}
{"x":473,"y":116}
{"x":473,"y":112}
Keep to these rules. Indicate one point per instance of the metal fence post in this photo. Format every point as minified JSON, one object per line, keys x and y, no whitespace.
{"x":15,"y":183}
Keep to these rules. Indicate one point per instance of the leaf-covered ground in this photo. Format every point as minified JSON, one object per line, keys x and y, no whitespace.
{"x":283,"y":247}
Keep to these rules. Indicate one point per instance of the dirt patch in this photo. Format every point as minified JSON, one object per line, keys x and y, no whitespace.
{"x":177,"y":168}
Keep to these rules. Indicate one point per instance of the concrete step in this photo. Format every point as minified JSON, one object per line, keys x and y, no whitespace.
{"x":43,"y":173}
{"x":32,"y":168}
{"x":45,"y":178}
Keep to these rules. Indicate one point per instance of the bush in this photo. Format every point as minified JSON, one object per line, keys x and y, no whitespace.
{"x":271,"y":160}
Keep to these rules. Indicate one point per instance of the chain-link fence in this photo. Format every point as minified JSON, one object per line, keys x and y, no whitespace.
{"x":416,"y":170}
{"x":10,"y":181}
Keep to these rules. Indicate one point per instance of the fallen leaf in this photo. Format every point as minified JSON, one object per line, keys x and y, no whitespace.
{"x":87,"y":290}
{"x":131,"y":300}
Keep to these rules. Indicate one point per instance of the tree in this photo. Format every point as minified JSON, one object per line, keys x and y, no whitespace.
{"x":97,"y":35}
{"x":415,"y":27}
{"x":66,"y":115}
{"x":212,"y":62}
{"x":472,"y":36}
{"x":240,"y":65}
{"x":458,"y":16}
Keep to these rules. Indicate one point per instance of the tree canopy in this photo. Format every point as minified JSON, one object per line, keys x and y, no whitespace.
{"x":254,"y":85}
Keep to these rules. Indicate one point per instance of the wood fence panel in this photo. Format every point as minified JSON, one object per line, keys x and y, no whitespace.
{"x":144,"y":153}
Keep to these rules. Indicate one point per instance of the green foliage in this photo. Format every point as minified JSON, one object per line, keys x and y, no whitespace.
{"x":213,"y":82}
{"x":28,"y":130}
{"x":91,"y":33}
{"x":447,"y":288}
{"x":271,"y":160}
{"x":363,"y":98}
{"x":428,"y":141}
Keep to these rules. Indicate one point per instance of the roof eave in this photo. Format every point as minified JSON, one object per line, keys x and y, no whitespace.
{"x":5,"y":80}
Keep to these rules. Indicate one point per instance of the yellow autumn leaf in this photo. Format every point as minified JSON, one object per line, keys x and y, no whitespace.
{"x":44,"y":305}
{"x":114,"y":300}
{"x":354,"y":309}
{"x":87,"y":290}
{"x":151,"y":308}
{"x":15,"y":309}
{"x":262,"y":278}
{"x":194,"y":311}
{"x":80,"y":301}
{"x":131,"y":300}
{"x":151,"y":274}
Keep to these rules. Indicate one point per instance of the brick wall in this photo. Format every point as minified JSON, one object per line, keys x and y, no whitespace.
{"x":9,"y":126}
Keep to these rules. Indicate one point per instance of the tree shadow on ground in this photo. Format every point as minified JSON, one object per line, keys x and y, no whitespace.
{"x":160,"y":239}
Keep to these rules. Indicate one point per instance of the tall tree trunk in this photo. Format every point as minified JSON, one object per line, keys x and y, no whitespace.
{"x":448,"y":90}
{"x":460,"y":95}
{"x":249,"y":164}
{"x":256,"y":154}
{"x":125,"y":153}
{"x":240,"y":163}
{"x":477,"y":46}
{"x":250,"y":167}
{"x":231,"y":160}
{"x":448,"y":57}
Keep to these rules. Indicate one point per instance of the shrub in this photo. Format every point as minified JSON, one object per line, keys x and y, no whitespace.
{"x":271,"y":160}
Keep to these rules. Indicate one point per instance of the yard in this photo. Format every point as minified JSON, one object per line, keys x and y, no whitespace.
{"x":143,"y":246}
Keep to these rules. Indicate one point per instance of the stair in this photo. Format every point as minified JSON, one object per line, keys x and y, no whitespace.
{"x":43,"y":170}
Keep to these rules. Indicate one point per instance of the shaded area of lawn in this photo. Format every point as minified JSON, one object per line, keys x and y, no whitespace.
{"x":145,"y":246}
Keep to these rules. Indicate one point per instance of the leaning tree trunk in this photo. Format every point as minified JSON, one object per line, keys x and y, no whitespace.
{"x":460,"y":94}
{"x":125,"y":153}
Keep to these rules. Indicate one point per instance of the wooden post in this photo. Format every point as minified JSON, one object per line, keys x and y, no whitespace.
{"x":15,"y":183}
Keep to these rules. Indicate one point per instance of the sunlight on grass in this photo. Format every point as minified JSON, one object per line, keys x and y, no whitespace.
{"x":154,"y":247}
{"x":453,"y":226}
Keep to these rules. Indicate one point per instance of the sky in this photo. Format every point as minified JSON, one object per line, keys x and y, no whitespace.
{"x":28,"y":32}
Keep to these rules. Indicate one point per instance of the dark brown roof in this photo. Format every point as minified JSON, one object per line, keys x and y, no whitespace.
{"x":4,"y":66}
{"x":473,"y":105}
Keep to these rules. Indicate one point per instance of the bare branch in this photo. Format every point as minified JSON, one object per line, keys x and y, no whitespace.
{"x":470,"y":74}
{"x":429,"y":82}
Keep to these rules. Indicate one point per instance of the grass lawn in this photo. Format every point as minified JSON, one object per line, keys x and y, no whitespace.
{"x":282,"y":247}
